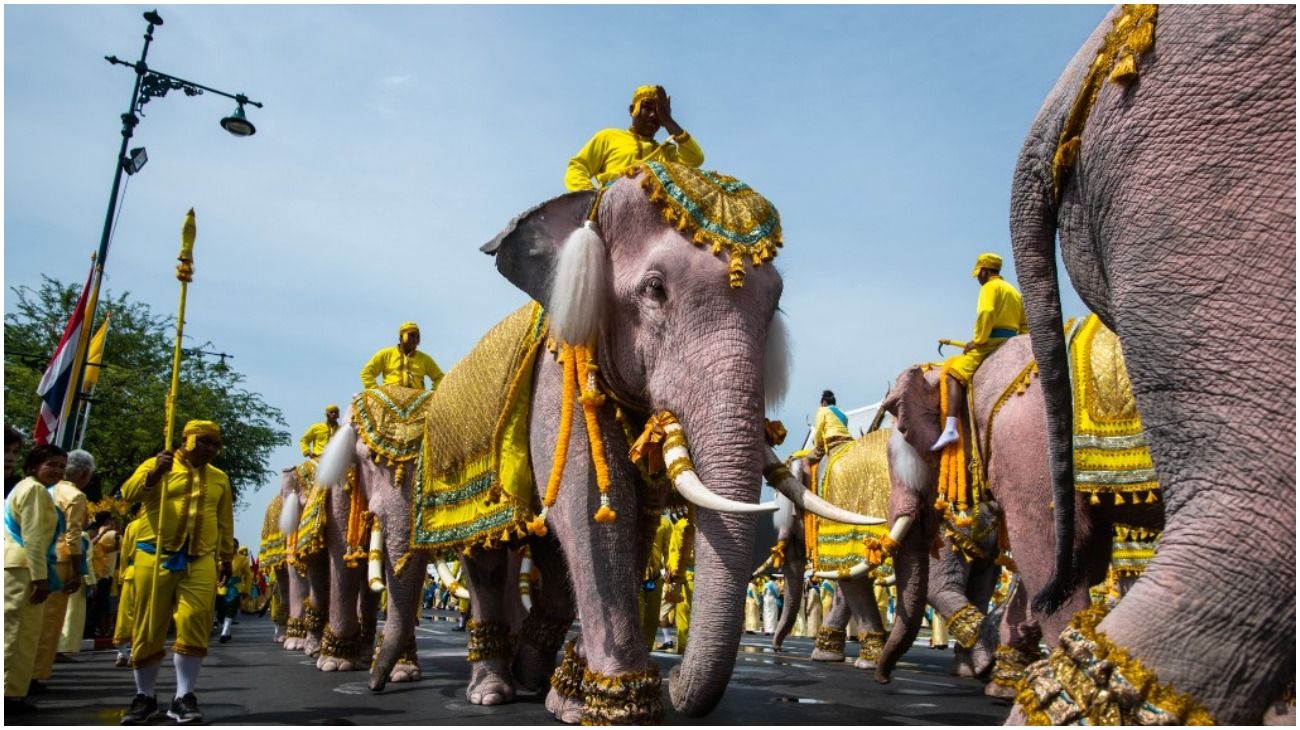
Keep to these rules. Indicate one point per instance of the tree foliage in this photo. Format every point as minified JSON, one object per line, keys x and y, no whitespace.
{"x":127,"y":410}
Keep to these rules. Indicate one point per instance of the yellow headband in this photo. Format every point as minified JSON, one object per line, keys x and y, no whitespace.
{"x":987,"y":261}
{"x":405,"y":328}
{"x":330,"y":408}
{"x":641,"y":94}
{"x":194,"y":429}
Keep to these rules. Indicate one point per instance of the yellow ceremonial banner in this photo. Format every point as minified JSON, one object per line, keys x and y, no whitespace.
{"x":96,"y":357}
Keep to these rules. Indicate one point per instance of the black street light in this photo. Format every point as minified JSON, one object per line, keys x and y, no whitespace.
{"x":149,"y":84}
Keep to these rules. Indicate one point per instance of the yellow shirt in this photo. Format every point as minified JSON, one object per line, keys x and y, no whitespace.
{"x":828,"y":430}
{"x":317,"y":437}
{"x":999,"y":307}
{"x":72,"y":503}
{"x":397,"y":368}
{"x":31,"y":505}
{"x":680,"y":555}
{"x":611,"y":151}
{"x":243,"y":572}
{"x":198,"y":519}
{"x":126,"y":557}
{"x":101,"y":554}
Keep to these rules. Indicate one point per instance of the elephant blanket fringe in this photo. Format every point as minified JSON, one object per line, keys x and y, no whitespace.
{"x":390,"y":419}
{"x":857,"y":478}
{"x":1132,"y":549}
{"x":1090,"y":680}
{"x":1110,"y":452}
{"x":474,"y":482}
{"x":311,"y":526}
{"x":271,"y":553}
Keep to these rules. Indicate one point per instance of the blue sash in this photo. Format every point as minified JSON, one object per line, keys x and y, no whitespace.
{"x":844,"y":420}
{"x":176,"y":562}
{"x":51,"y":557}
{"x":1003,"y":333}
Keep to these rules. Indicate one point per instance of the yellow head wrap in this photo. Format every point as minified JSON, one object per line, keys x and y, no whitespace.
{"x":642,"y":93}
{"x":406,"y":327}
{"x":194,"y":429}
{"x":987,"y":261}
{"x":331,"y":407}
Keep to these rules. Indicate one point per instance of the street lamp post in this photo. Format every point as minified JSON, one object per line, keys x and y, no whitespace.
{"x":149,"y":84}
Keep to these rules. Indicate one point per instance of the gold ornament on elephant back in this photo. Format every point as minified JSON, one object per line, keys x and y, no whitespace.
{"x":714,"y":210}
{"x":390,"y":420}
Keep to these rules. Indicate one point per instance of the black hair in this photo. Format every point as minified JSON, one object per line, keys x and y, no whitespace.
{"x":39,"y":455}
{"x":13,"y":436}
{"x":828,"y":397}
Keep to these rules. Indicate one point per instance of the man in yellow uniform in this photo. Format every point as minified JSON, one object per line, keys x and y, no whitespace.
{"x":830,"y":428}
{"x":681,"y":572}
{"x":31,"y":523}
{"x":402,"y":364}
{"x":611,"y":151}
{"x":999,"y":316}
{"x":652,"y":587}
{"x":197,"y":529}
{"x":318,"y":435}
{"x":71,"y":501}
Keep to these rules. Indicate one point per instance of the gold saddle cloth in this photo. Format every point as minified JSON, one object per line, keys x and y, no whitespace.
{"x":1110,"y":452}
{"x":311,"y":525}
{"x":474,"y":480}
{"x":857,"y":479}
{"x":271,"y":553}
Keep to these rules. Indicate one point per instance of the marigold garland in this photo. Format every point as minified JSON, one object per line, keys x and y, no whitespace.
{"x":566,"y":359}
{"x":592,"y":399}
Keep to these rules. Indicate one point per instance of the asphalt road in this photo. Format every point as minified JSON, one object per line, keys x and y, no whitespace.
{"x":252,"y":681}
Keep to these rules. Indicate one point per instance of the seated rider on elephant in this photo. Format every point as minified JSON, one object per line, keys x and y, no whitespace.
{"x":318,"y":435}
{"x":999,"y":316}
{"x":612,"y":151}
{"x":402,"y":364}
{"x":830,"y":431}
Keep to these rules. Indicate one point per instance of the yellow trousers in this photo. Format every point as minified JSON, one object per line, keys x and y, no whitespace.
{"x":683,"y":612}
{"x":650,"y":601}
{"x":74,"y":622}
{"x":56,"y":609}
{"x":187,"y":596}
{"x":125,"y":612}
{"x":22,"y":631}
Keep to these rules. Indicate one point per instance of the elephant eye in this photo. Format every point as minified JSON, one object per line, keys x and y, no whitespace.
{"x":653,"y":286}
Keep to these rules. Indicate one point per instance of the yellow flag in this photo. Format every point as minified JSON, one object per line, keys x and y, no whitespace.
{"x":96,"y":356}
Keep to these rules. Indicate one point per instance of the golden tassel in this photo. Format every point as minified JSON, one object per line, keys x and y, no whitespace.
{"x":1093,"y":498}
{"x":1119,"y":498}
{"x":1125,"y":71}
{"x":1151,"y":497}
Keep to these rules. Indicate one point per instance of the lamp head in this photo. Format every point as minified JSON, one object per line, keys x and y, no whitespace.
{"x":135,"y":161}
{"x":153,"y":17}
{"x":237,"y":123}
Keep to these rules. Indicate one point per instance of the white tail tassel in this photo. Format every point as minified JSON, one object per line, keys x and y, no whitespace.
{"x":375,"y":568}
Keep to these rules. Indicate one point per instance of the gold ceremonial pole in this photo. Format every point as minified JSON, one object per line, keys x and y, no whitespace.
{"x":184,"y":274}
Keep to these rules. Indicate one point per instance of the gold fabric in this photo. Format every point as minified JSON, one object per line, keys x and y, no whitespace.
{"x":474,"y":483}
{"x":642,"y":93}
{"x":188,"y":596}
{"x":390,"y":420}
{"x":857,"y":479}
{"x":271,"y":553}
{"x":1132,"y":549}
{"x":714,"y":210}
{"x":194,"y":429}
{"x":311,"y":526}
{"x":1110,"y":453}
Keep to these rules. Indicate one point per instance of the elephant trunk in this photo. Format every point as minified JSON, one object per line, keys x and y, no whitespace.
{"x":1033,"y":239}
{"x":726,"y":445}
{"x":795,"y":560}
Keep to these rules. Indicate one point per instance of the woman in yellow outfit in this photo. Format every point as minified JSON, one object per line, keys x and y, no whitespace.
{"x":402,"y":364}
{"x":611,"y":151}
{"x":199,"y":530}
{"x":999,"y":316}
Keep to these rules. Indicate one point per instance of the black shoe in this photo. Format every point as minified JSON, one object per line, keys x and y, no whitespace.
{"x":142,"y":710}
{"x":37,"y":687}
{"x":185,"y":710}
{"x":15,"y":706}
{"x":224,"y":638}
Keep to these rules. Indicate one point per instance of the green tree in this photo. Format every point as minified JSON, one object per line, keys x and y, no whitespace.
{"x":127,"y":410}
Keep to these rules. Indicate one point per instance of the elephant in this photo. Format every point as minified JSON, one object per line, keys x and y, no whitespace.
{"x":1014,"y":450}
{"x":305,"y":622}
{"x":669,"y":329}
{"x":1162,"y":161}
{"x":272,"y":563}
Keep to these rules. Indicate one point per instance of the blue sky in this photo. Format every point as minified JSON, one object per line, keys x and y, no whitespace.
{"x":395,"y":140}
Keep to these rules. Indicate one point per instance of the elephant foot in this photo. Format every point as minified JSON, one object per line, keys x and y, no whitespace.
{"x":531,"y":669}
{"x":567,"y":710}
{"x":1000,"y":691}
{"x":882,"y":676}
{"x":489,"y":683}
{"x":861,"y":663}
{"x":824,"y":655}
{"x":981,"y":660}
{"x":311,"y":646}
{"x":278,"y":635}
{"x":292,"y":643}
{"x":404,"y":672}
{"x":961,"y":666}
{"x":335,"y":664}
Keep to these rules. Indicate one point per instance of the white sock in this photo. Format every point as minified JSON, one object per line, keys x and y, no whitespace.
{"x":124,"y":649}
{"x":146,"y":678}
{"x":949,"y":434}
{"x":225,"y":626}
{"x":187,"y":673}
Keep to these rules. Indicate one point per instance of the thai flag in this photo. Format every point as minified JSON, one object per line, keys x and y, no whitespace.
{"x":56,"y":384}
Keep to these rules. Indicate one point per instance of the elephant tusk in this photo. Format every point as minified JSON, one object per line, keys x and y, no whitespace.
{"x":760,"y":569}
{"x":682,"y":472}
{"x":857,"y":571}
{"x":900,"y":528}
{"x":375,"y":565}
{"x":446,"y":578}
{"x":785,"y":483}
{"x":525,"y":588}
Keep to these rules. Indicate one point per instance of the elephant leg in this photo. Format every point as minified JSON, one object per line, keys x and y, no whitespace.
{"x":490,"y":682}
{"x":861,"y":596}
{"x":340,"y":651}
{"x":829,"y":645}
{"x":548,"y":622}
{"x":395,"y":659}
{"x":1018,"y":638}
{"x":979,"y":591}
{"x":280,"y":604}
{"x":565,"y":699}
{"x":949,"y":577}
{"x":299,"y":591}
{"x":367,"y":620}
{"x":318,"y":606}
{"x":792,"y":568}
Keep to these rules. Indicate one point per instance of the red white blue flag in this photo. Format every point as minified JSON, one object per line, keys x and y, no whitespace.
{"x":56,"y":385}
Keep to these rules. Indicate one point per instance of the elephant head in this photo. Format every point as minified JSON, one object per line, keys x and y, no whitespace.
{"x":670,"y":334}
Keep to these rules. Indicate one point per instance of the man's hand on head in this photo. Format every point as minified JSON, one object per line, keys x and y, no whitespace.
{"x":664,"y":110}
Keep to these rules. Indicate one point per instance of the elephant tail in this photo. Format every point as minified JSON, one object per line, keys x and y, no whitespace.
{"x":339,"y":456}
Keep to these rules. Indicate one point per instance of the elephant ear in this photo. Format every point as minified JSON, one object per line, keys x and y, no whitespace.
{"x":527,"y":250}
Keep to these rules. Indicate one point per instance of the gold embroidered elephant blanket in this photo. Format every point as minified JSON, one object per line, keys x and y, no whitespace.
{"x":474,"y":481}
{"x":271,"y":553}
{"x":857,"y":479}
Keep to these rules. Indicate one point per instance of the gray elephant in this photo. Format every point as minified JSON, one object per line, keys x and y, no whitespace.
{"x":1163,"y":159}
